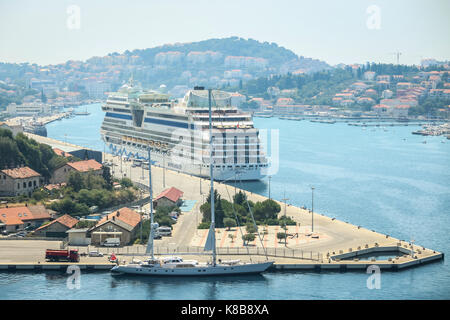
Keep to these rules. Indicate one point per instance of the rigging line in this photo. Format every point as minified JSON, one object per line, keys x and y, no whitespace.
{"x":253,"y":218}
{"x":237,"y":220}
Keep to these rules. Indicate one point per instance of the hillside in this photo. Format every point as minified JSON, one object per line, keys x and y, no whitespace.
{"x":213,"y":62}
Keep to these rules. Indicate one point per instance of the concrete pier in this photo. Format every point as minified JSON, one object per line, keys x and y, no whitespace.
{"x":334,"y":244}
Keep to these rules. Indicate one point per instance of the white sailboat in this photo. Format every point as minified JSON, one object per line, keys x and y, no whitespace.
{"x":176,"y":266}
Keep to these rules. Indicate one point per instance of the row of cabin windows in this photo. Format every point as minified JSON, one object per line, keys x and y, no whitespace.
{"x":25,"y":184}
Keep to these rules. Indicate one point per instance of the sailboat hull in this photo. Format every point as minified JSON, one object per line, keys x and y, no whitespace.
{"x":218,"y":270}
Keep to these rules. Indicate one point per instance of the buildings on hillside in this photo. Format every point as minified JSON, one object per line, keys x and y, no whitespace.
{"x":18,"y":181}
{"x":57,"y":228}
{"x":123,"y":224}
{"x":61,"y":174}
{"x":18,"y":218}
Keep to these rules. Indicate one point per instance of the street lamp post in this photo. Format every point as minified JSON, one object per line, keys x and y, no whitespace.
{"x":270,"y":177}
{"x":312,"y":209}
{"x":285,"y":225}
{"x":164,"y":169}
{"x":200,"y":178}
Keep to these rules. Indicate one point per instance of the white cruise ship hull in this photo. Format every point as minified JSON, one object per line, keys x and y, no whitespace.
{"x":218,"y":270}
{"x":221,"y":173}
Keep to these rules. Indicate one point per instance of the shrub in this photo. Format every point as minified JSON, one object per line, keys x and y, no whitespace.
{"x":248,"y":237}
{"x":229,"y":223}
{"x":204,"y":225}
{"x":281,"y":236}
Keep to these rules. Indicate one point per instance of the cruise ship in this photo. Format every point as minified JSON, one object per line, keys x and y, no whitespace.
{"x":177,"y":132}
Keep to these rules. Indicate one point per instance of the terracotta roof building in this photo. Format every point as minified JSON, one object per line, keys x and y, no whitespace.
{"x":58,"y":227}
{"x":168,"y":197}
{"x":61,"y":153}
{"x":61,"y":174}
{"x":17,"y":181}
{"x":17,"y":218}
{"x":123,"y":223}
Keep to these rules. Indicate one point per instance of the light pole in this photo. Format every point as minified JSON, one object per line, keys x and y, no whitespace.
{"x":285,"y":225}
{"x":270,"y":177}
{"x":200,"y":178}
{"x":312,"y":209}
{"x":164,"y":170}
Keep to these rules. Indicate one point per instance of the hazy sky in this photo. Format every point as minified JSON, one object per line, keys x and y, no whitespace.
{"x":345,"y":31}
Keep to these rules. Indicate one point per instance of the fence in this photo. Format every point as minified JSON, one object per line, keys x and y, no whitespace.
{"x":158,"y":250}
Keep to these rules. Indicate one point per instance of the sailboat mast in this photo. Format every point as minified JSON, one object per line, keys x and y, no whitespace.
{"x":213,"y":224}
{"x":150,"y":239}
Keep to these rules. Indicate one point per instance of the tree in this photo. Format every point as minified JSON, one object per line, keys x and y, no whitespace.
{"x":126,"y":182}
{"x":231,"y":236}
{"x":240,"y":198}
{"x":218,"y":210}
{"x":266,"y":210}
{"x":75,"y":181}
{"x":250,"y":227}
{"x":281,"y":236}
{"x":248,"y":238}
{"x":107,"y":177}
{"x":229,"y":223}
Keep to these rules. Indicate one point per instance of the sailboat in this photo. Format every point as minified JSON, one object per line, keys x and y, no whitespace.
{"x":176,"y":266}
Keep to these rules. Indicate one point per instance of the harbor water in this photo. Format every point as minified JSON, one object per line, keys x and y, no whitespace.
{"x":385,"y":179}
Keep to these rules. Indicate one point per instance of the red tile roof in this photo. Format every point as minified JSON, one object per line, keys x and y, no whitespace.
{"x":38,"y":212}
{"x":13,"y":216}
{"x":173,"y":194}
{"x":85,"y":165}
{"x":17,"y":215}
{"x":61,"y":153}
{"x":126,"y":215}
{"x":21,"y":173}
{"x":65,"y":220}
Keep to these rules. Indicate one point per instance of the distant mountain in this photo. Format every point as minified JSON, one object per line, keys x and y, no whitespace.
{"x":213,"y":62}
{"x":175,"y":67}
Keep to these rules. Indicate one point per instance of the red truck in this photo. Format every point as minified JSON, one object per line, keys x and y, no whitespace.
{"x":62,"y":255}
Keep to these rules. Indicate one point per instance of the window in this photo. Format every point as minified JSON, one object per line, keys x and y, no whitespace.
{"x":30,"y":184}
{"x":18,"y":186}
{"x":24,"y":184}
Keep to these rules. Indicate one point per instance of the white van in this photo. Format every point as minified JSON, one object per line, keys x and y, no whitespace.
{"x":164,"y":231}
{"x":112,"y":242}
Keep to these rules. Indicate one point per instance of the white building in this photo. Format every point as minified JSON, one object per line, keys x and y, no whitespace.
{"x":29,"y":109}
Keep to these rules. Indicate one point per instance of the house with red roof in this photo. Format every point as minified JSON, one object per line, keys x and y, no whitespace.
{"x":18,"y":218}
{"x":61,"y":153}
{"x":57,"y":228}
{"x":20,"y":180}
{"x":61,"y":174}
{"x":123,"y":224}
{"x":168,"y":197}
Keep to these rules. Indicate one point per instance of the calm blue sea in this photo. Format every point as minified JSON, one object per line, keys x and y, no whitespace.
{"x":389,"y":181}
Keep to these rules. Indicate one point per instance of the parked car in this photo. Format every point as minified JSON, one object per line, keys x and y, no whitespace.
{"x":164,"y":231}
{"x":112,"y":242}
{"x":157,"y":235}
{"x":95,"y":253}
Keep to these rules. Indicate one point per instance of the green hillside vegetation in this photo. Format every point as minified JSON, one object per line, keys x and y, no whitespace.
{"x":264,"y":213}
{"x":320,"y":87}
{"x":21,"y":150}
{"x":85,"y":191}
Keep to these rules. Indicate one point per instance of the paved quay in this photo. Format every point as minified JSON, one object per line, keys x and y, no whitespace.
{"x":334,"y":244}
